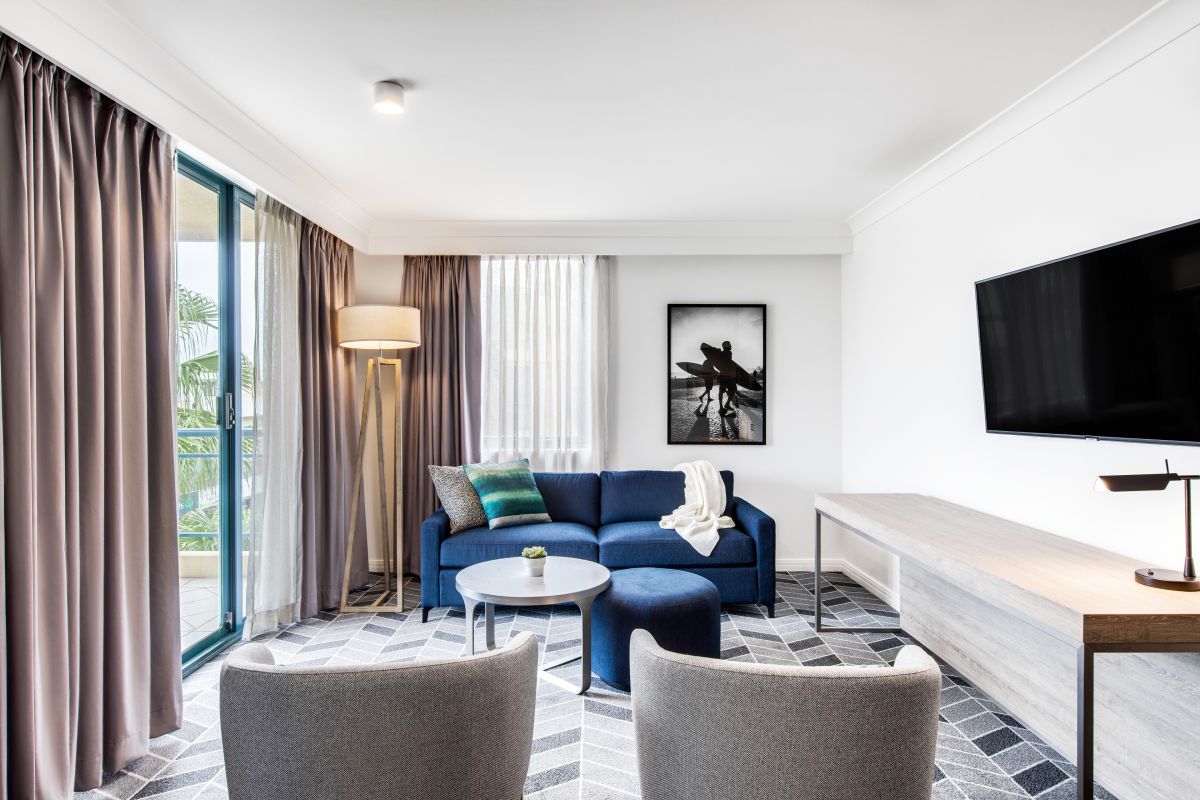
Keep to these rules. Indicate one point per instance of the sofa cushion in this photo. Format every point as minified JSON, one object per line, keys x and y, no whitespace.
{"x":571,"y":496}
{"x":644,"y":544}
{"x":638,"y":495}
{"x":457,"y":495}
{"x":508,"y":493}
{"x":481,"y":544}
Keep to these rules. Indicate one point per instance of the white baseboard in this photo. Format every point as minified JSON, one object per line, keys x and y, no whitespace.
{"x":849,"y":570}
{"x":872,"y":585}
{"x":806,"y":564}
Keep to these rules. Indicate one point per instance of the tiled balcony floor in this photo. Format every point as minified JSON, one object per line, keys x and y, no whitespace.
{"x":199,"y":608}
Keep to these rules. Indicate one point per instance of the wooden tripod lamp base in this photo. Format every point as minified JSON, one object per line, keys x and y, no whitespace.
{"x":372,"y":327}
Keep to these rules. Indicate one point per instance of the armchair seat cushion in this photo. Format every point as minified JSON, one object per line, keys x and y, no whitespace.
{"x":482,"y":544}
{"x":645,"y":544}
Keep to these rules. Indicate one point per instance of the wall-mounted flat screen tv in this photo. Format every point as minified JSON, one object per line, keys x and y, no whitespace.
{"x":1103,"y":344}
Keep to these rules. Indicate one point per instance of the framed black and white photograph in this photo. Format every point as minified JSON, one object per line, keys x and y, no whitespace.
{"x":717,"y":373}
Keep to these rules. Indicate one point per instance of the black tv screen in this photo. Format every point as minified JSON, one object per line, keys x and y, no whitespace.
{"x":1103,"y":344}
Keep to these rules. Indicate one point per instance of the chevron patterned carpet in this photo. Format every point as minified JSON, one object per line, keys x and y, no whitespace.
{"x":583,"y":746}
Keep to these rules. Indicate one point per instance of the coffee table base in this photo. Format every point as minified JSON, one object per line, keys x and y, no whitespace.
{"x":585,"y":648}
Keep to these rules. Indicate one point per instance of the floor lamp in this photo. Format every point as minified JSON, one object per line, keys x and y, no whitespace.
{"x":379,"y":328}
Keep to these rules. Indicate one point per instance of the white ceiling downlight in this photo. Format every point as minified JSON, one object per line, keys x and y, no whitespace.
{"x":389,"y":98}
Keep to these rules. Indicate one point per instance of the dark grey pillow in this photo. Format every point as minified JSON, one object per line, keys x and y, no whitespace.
{"x":458,"y":497}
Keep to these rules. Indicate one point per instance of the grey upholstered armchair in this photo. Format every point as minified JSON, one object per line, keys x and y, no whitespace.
{"x":439,"y":730}
{"x":722,"y":730}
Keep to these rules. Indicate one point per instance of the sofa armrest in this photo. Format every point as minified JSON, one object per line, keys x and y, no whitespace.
{"x":434,"y":530}
{"x":761,"y":528}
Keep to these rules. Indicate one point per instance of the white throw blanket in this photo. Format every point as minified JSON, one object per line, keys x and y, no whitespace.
{"x":700,"y":516}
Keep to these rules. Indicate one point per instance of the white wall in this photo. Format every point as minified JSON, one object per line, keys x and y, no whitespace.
{"x":1120,"y":161}
{"x":802,"y":453}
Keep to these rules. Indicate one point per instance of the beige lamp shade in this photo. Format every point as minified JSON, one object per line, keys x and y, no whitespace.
{"x":370,"y":327}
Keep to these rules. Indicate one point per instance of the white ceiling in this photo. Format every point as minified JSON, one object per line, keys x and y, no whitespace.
{"x":684,"y":110}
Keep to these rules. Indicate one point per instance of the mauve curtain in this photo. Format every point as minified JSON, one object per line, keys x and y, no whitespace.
{"x":330,"y":438}
{"x":441,"y":382}
{"x":91,"y":664}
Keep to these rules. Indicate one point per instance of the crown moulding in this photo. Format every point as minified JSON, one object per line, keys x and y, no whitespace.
{"x":612,"y":237}
{"x":1158,"y":27}
{"x":96,"y":42}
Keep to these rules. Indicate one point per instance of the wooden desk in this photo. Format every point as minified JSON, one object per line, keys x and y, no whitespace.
{"x":1036,"y":594}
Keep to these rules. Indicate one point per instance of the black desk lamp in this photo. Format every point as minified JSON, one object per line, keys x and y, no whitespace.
{"x":1155,"y":482}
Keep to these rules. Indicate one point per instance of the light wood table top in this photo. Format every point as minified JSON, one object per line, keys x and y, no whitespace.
{"x":1075,"y":591}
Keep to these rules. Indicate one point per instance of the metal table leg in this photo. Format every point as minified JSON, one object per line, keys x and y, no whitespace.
{"x":818,"y":626}
{"x":489,"y":625}
{"x":1084,"y":730}
{"x":585,"y":646}
{"x":469,"y":613}
{"x":584,"y":657}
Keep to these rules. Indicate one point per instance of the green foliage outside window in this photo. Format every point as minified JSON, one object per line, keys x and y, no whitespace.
{"x":197,"y":383}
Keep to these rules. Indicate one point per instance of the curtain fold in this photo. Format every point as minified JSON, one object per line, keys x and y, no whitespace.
{"x":90,"y":568}
{"x":274,"y":571}
{"x":305,"y":434}
{"x":545,"y":360}
{"x":441,"y":383}
{"x":330,"y":440}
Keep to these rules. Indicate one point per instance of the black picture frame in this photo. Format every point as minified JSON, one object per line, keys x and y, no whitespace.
{"x":709,"y":422}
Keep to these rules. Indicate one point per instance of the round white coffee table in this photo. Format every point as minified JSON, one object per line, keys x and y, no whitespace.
{"x":503,"y":582}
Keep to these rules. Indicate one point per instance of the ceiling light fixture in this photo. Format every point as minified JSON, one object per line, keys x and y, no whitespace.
{"x":389,"y":98}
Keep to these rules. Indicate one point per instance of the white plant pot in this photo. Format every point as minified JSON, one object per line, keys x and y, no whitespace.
{"x":535,"y":567}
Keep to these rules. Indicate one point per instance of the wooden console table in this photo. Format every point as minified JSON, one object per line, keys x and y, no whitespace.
{"x":1028,"y":612}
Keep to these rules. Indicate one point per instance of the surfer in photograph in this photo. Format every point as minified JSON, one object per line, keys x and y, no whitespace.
{"x":720,"y":367}
{"x":726,"y":369}
{"x":708,"y":369}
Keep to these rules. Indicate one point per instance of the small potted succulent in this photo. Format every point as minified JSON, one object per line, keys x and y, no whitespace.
{"x":535,"y":561}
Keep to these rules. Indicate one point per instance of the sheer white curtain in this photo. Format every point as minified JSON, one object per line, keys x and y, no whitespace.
{"x":545,"y":360}
{"x":273,"y":576}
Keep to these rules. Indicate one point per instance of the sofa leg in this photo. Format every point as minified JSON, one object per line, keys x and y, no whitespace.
{"x":770,"y":611}
{"x":424,"y":614}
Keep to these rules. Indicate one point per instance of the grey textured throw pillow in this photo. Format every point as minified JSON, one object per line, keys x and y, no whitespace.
{"x":458,"y":497}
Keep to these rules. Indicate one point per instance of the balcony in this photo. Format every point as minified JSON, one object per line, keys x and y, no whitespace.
{"x":201,"y":609}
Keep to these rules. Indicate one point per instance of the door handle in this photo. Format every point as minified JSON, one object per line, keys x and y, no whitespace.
{"x":226,"y":412}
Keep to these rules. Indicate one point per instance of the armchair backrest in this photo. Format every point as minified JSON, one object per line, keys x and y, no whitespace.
{"x":647,"y":494}
{"x":709,"y":729}
{"x":440,"y":730}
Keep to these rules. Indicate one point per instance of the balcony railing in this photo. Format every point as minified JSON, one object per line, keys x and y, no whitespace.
{"x":205,"y":433}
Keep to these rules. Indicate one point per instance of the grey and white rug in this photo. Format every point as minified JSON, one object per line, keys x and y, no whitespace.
{"x":583,"y":746}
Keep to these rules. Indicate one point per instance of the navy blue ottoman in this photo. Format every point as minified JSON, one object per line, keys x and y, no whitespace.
{"x":681,"y":610}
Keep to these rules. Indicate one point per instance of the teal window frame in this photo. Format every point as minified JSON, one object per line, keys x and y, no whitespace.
{"x":230,"y":198}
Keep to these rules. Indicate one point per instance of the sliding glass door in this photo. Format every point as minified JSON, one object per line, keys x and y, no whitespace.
{"x":214,"y":221}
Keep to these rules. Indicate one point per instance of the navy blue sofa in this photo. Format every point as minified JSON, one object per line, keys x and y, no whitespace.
{"x":611,"y":518}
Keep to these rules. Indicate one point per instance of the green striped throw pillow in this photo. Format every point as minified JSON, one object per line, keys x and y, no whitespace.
{"x":508,"y":493}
